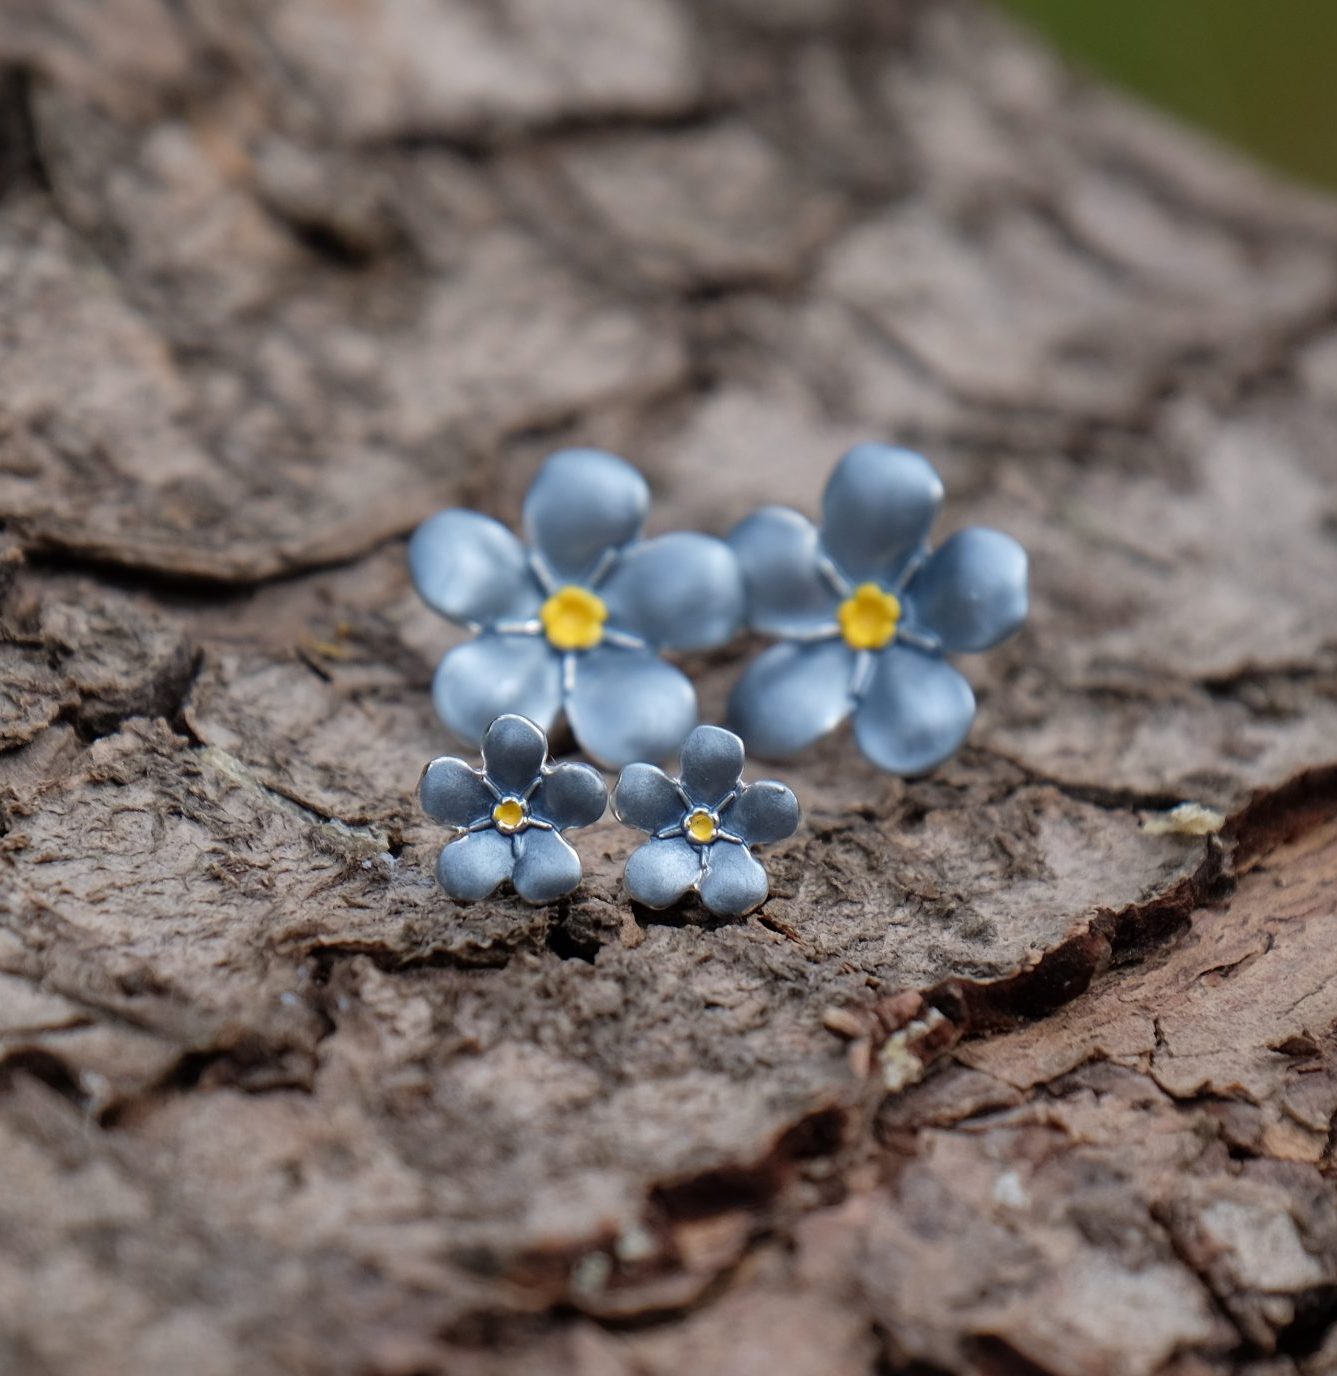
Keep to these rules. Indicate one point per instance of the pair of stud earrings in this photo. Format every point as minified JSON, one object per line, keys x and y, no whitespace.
{"x":863,"y":611}
{"x":511,"y":815}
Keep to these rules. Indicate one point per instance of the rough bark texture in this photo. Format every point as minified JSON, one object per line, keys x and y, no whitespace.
{"x":1012,"y":1074}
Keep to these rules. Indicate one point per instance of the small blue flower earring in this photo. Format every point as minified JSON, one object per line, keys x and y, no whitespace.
{"x":702,"y":826}
{"x":511,"y":814}
{"x":866,"y":614}
{"x":576,"y":621}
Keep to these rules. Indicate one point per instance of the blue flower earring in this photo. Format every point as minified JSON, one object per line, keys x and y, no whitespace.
{"x":702,"y":826}
{"x":576,"y":621}
{"x":865,"y":615}
{"x":511,"y":814}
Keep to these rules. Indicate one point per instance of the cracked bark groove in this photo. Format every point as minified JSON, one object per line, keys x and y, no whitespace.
{"x":1000,"y":1081}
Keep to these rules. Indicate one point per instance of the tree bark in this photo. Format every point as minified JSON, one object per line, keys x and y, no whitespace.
{"x":1017,"y":1071}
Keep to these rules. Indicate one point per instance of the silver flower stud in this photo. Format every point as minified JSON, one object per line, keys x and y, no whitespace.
{"x":511,"y":814}
{"x":866,"y":614}
{"x":575,"y":620}
{"x":702,"y":826}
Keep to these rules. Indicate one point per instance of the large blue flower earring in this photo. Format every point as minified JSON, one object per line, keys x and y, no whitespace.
{"x":702,"y":826}
{"x":511,"y":814}
{"x":577,"y":620}
{"x":866,"y":614}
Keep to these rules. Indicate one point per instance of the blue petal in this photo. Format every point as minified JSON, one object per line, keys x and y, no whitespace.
{"x":514,"y":751}
{"x":472,"y":866}
{"x":493,"y":675}
{"x":660,"y":872}
{"x":763,"y":812}
{"x":734,"y":882}
{"x":877,"y":511}
{"x":546,"y":867}
{"x":472,"y":569}
{"x":916,"y":712}
{"x":453,"y":793}
{"x":712,"y":764}
{"x":779,"y":553}
{"x":647,"y":799}
{"x":582,"y":503}
{"x":629,"y":705}
{"x":973,"y":592}
{"x":682,"y":591}
{"x":571,"y":795}
{"x":790,"y":695}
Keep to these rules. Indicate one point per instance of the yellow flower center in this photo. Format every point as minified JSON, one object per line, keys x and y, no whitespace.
{"x":573,"y":618}
{"x":868,"y":617}
{"x":702,"y":827}
{"x":510,"y":814}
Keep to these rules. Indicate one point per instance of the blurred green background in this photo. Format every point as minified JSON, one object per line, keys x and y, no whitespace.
{"x":1259,"y":73}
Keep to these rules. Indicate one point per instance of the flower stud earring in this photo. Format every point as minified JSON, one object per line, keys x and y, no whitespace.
{"x":511,"y":814}
{"x":576,"y":621}
{"x":866,"y":614}
{"x":702,"y":826}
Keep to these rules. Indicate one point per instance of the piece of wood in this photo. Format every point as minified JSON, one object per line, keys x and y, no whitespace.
{"x":1018,"y":1070}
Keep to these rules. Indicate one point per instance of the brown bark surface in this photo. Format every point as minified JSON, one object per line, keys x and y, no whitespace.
{"x":1017,"y":1071}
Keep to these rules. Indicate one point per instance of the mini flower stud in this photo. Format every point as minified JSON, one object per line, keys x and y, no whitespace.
{"x":702,"y":826}
{"x":865,"y":615}
{"x":577,"y":620}
{"x":511,"y":814}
